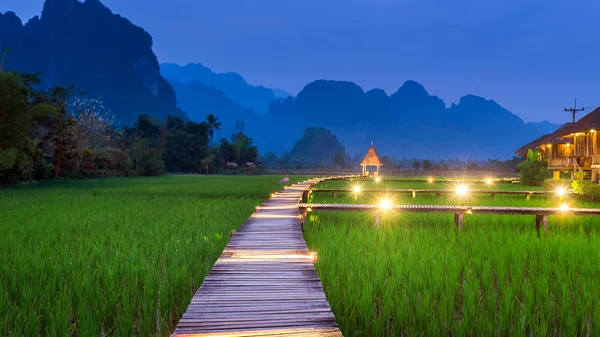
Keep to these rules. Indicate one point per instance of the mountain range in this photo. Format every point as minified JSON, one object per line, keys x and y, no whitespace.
{"x":103,"y":54}
{"x":117,"y":64}
{"x":231,"y":84}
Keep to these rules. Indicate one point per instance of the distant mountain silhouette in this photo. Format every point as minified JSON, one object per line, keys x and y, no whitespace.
{"x":318,"y":146}
{"x":232,"y":85}
{"x":104,"y":54}
{"x":280,"y":93}
{"x":199,"y":100}
{"x":409,"y":123}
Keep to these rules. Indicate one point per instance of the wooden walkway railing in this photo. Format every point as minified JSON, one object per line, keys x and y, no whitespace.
{"x":264,"y":283}
{"x":438,"y":193}
{"x":541,"y":213}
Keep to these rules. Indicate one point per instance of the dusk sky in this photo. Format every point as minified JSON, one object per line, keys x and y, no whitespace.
{"x":532,"y":57}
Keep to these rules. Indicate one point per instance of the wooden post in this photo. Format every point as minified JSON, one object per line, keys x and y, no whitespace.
{"x":333,"y":195}
{"x":494,"y":196}
{"x":438,"y":195}
{"x":541,"y":219}
{"x":458,"y":220}
{"x":377,"y":219}
{"x":414,"y":194}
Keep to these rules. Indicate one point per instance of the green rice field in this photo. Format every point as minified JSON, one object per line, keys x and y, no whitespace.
{"x":417,"y":275}
{"x":115,"y":257}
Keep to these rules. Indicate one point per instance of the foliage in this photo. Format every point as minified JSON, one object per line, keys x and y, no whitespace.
{"x":587,"y":189}
{"x":213,"y":125}
{"x":533,"y":172}
{"x":19,"y":115}
{"x":417,"y":165}
{"x":239,"y":149}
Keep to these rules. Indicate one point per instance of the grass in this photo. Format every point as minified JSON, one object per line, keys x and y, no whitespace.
{"x":114,"y":257}
{"x":416,"y":274}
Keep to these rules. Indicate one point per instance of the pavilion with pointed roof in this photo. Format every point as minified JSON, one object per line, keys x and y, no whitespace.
{"x":370,"y":159}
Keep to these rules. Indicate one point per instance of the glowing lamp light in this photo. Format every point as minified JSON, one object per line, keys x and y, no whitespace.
{"x":309,"y":209}
{"x":461,"y":190}
{"x":356,"y":189}
{"x":564,"y":207}
{"x":489,"y":181}
{"x":272,"y":194}
{"x":592,"y":131}
{"x":313,"y":256}
{"x":378,"y":179}
{"x":561,"y":191}
{"x":430,"y":180}
{"x":385,"y":204}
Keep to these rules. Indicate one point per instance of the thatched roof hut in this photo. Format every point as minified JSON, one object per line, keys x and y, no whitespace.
{"x":371,"y":159}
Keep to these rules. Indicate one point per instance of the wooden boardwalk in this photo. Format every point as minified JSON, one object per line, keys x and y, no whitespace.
{"x":264,"y":283}
{"x":438,"y":192}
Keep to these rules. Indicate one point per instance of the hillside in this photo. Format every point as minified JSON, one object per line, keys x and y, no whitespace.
{"x":115,"y":64}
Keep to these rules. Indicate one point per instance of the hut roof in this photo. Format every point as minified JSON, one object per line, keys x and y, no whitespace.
{"x":249,"y":164}
{"x":231,"y":164}
{"x":588,"y":122}
{"x":551,"y":138}
{"x":371,"y":158}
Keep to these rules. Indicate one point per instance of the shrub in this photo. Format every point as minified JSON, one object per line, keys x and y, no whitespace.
{"x":153,"y":166}
{"x":534,"y":173}
{"x":587,"y":190}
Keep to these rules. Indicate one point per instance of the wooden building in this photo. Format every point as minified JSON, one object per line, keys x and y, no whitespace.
{"x":574,"y":147}
{"x":371,"y":159}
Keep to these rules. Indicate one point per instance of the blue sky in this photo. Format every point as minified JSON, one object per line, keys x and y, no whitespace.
{"x":532,"y":57}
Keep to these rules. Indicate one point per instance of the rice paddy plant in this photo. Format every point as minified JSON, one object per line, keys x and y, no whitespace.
{"x":416,"y":274}
{"x":116,"y":257}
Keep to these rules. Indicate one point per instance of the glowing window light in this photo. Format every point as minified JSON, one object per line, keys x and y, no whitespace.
{"x":592,"y":130}
{"x":356,"y":189}
{"x":561,"y":191}
{"x":461,"y":190}
{"x":378,"y":179}
{"x":564,"y":207}
{"x":385,"y":204}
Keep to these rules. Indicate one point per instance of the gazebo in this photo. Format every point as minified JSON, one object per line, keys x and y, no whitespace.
{"x":370,"y":159}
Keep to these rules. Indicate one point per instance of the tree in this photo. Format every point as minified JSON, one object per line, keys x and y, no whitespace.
{"x":93,"y":127}
{"x":239,"y":149}
{"x":417,"y":165}
{"x":186,"y":145}
{"x":19,"y":113}
{"x":240,"y":126}
{"x":339,"y":159}
{"x":214,"y":125}
{"x":427,"y":165}
{"x":148,"y":146}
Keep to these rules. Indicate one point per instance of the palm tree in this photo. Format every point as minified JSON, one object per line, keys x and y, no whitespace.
{"x":214,"y":124}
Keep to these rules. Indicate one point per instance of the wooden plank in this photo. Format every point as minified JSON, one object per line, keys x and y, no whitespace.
{"x":264,"y":283}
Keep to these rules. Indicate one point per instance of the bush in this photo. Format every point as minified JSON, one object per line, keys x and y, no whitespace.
{"x":534,"y":173}
{"x":153,"y":166}
{"x":587,"y":190}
